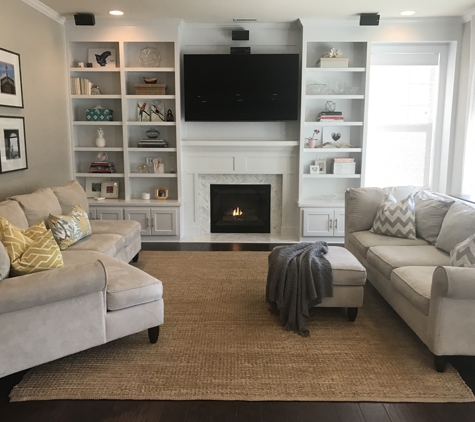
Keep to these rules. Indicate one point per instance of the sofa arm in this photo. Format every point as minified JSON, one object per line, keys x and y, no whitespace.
{"x":454,"y":283}
{"x":27,"y":291}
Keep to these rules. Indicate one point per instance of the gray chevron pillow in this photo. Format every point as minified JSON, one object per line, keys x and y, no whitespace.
{"x":463,"y":254}
{"x":396,"y":219}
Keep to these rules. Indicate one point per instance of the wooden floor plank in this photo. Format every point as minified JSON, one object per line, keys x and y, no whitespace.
{"x":374,"y":412}
{"x":275,"y":412}
{"x":349,"y":412}
{"x":249,"y":411}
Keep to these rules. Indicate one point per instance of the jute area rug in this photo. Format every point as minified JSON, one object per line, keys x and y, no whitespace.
{"x":219,"y":342}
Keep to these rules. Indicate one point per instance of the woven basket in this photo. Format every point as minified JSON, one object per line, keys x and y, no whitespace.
{"x":150,"y":89}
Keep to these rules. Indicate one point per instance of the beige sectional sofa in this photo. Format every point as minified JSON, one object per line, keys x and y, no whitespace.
{"x":94,"y":298}
{"x":416,"y":276}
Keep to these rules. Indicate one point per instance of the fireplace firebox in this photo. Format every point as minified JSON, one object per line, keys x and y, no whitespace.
{"x":240,"y":208}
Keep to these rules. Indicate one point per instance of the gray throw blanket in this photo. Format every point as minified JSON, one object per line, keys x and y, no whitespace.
{"x":298,"y":278}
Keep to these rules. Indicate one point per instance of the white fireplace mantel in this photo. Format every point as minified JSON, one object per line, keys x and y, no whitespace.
{"x":245,"y":161}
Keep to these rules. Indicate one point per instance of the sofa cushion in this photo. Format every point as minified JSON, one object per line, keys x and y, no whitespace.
{"x":4,"y":262}
{"x":128,"y":228}
{"x":414,"y":283}
{"x":395,"y":218}
{"x":364,"y":240}
{"x":386,"y":258}
{"x":12,"y":212}
{"x":458,"y":224}
{"x":361,"y":200}
{"x":430,"y":212}
{"x":109,"y":244}
{"x":463,"y":254}
{"x":38,"y":205}
{"x":346,"y":269}
{"x":69,"y":195}
{"x":30,"y":250}
{"x":69,"y":229}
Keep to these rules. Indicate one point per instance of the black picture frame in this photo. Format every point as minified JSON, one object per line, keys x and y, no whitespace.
{"x":11,"y":86}
{"x":13,"y":152}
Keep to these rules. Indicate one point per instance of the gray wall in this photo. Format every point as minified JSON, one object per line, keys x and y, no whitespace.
{"x":40,"y":41}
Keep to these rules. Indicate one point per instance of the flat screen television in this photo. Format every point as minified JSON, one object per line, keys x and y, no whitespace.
{"x":235,"y":88}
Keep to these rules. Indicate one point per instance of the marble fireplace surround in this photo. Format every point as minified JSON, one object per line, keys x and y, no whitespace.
{"x":240,"y":162}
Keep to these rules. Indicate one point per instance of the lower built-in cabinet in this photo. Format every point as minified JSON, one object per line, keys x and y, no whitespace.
{"x":155,"y":221}
{"x":323,"y":222}
{"x":161,"y":221}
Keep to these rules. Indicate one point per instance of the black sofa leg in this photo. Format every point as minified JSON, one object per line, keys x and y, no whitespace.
{"x":153,"y":334}
{"x":440,"y":363}
{"x":135,"y":258}
{"x":352,"y":313}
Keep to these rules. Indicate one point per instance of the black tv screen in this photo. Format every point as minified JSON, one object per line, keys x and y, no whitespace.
{"x":248,"y":87}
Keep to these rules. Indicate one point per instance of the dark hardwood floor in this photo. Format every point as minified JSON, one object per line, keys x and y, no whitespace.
{"x":225,"y":411}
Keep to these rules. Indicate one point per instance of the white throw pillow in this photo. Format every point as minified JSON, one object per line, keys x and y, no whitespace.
{"x":396,"y":219}
{"x":463,"y":254}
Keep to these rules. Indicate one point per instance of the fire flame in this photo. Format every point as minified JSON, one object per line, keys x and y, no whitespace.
{"x":237,"y":211}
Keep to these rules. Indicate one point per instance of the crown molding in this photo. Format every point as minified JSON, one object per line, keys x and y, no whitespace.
{"x":36,"y":4}
{"x":468,"y":17}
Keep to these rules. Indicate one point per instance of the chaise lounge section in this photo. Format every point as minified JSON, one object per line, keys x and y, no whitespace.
{"x":94,"y":298}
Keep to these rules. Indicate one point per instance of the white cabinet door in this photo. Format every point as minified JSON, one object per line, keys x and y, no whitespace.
{"x":141,"y":215}
{"x":321,"y":222}
{"x":109,"y":213}
{"x":164,"y":221}
{"x":339,"y":222}
{"x":318,"y":222}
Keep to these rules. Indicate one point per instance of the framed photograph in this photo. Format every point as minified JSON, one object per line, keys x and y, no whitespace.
{"x":102,"y":57}
{"x":322,"y":166}
{"x":314,"y":169}
{"x":12,"y":144}
{"x":161,"y":193}
{"x":110,"y":189}
{"x":93,"y":187}
{"x":11,"y":91}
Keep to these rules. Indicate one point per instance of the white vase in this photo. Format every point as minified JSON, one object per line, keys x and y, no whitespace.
{"x":100,"y":141}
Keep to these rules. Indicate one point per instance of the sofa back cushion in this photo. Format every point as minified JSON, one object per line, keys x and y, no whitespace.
{"x":458,"y":224}
{"x":69,"y":195}
{"x":12,"y":212}
{"x":361,"y":204}
{"x":38,"y":205}
{"x":4,"y":262}
{"x":430,"y":212}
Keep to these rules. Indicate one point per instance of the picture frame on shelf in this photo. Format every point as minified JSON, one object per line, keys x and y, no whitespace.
{"x":314,"y":169}
{"x":161,"y":193}
{"x":110,"y":190}
{"x":102,"y":57}
{"x":11,"y":90}
{"x":13,"y":155}
{"x":322,"y":166}
{"x":93,"y":187}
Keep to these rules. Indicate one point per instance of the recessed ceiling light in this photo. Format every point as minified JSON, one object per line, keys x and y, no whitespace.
{"x":116,"y":13}
{"x":408,"y":13}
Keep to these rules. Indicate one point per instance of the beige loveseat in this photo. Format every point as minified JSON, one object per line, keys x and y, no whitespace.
{"x":436,"y":299}
{"x":94,"y":298}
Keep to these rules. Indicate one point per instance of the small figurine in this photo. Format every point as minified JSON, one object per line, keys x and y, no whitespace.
{"x":170,"y":117}
{"x":100,"y":141}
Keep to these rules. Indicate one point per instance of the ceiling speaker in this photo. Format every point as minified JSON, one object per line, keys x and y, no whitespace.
{"x":368,"y":19}
{"x":84,"y":19}
{"x":240,"y":35}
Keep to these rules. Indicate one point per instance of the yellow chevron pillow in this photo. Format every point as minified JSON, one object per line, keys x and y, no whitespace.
{"x":30,"y":250}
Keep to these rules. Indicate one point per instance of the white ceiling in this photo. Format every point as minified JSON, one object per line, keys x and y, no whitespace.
{"x":223,"y":11}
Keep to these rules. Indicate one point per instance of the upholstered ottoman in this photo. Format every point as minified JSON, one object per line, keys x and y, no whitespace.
{"x":349,"y":278}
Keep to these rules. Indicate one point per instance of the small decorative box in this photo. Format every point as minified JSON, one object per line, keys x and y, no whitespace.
{"x":99,"y":114}
{"x":150,"y":89}
{"x":333,"y":62}
{"x":344,"y":168}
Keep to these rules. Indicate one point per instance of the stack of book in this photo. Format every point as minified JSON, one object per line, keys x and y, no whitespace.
{"x":152,"y":143}
{"x":330,"y":116}
{"x":81,"y":86}
{"x":101,"y":167}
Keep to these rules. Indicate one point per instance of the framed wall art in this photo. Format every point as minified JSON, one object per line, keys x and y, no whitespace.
{"x":12,"y":144}
{"x":11,"y":91}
